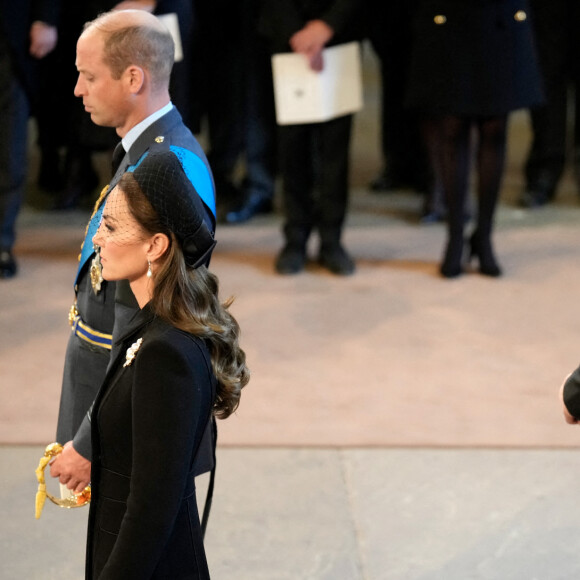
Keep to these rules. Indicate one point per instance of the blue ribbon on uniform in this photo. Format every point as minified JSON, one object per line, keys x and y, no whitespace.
{"x":88,"y":250}
{"x":199,"y":175}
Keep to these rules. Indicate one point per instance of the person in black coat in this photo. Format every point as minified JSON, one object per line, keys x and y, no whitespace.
{"x":27,"y":34}
{"x":177,"y":364}
{"x":315,"y":153}
{"x":473,"y":63}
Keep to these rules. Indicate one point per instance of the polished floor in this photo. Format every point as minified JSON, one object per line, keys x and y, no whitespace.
{"x":398,"y":426}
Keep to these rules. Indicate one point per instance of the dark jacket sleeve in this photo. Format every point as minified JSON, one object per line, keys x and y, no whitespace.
{"x":171,"y":403}
{"x":82,"y":438}
{"x":341,"y":16}
{"x":572,"y":393}
{"x":279,"y":20}
{"x":46,"y":11}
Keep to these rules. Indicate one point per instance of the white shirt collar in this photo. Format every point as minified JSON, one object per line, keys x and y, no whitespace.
{"x":138,"y":129}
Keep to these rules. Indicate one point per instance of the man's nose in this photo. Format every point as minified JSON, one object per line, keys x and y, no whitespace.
{"x":78,"y":90}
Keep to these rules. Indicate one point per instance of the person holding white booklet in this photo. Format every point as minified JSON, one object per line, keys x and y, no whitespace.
{"x":313,"y":154}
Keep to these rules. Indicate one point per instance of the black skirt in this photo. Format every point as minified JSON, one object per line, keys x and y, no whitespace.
{"x":473,"y":58}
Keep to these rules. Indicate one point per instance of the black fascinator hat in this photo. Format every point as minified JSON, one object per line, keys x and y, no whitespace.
{"x":172,"y":195}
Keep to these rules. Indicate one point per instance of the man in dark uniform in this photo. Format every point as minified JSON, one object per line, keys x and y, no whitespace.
{"x":27,"y":34}
{"x":129,"y":92}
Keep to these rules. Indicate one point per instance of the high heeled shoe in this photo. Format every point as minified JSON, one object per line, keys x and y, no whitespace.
{"x":451,"y":266}
{"x":480,"y":247}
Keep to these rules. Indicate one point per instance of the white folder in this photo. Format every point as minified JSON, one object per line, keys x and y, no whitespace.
{"x":303,"y":95}
{"x":171,"y":22}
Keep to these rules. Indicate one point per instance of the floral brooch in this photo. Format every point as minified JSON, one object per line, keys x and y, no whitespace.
{"x":131,"y":352}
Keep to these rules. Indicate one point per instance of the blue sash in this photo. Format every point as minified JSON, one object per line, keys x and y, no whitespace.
{"x":87,"y":249}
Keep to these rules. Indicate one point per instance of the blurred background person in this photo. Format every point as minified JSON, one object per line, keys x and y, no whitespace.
{"x":27,"y":34}
{"x":389,"y":27}
{"x":314,"y":155}
{"x":239,"y":104}
{"x":473,"y":63}
{"x":556,"y":125}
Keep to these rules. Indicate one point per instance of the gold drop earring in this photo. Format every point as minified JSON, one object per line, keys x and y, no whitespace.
{"x":149,"y":272}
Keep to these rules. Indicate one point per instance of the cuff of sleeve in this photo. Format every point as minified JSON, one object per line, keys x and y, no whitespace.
{"x":82,"y":440}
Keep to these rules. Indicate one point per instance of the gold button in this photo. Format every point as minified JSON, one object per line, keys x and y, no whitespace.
{"x":159,"y":139}
{"x":520,"y":16}
{"x":440,"y":19}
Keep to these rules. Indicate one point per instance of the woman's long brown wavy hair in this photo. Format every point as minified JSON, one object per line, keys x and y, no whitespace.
{"x":189,"y":300}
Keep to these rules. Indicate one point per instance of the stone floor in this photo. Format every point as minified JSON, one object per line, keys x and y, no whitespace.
{"x":398,"y":426}
{"x":343,"y":514}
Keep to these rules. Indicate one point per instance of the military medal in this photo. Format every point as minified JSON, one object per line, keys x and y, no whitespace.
{"x":96,"y":273}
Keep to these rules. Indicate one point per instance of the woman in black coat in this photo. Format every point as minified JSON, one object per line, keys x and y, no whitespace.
{"x":473,"y":62}
{"x":178,"y":363}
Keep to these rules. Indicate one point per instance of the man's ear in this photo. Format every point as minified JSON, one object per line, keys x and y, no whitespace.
{"x":158,"y":246}
{"x":136,"y":78}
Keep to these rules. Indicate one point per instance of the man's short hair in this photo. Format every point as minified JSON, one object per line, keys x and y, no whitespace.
{"x":148,"y":47}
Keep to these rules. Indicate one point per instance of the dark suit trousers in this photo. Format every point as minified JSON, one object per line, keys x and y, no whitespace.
{"x":315,"y":158}
{"x":557,"y":29}
{"x":14,"y":111}
{"x":390,"y":32}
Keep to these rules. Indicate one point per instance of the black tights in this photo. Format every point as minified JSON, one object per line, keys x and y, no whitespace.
{"x":449,"y":140}
{"x":453,"y":142}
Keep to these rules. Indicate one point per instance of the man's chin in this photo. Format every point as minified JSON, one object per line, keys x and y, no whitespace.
{"x":98,"y":120}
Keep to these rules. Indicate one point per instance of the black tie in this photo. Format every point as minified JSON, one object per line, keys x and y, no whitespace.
{"x":118,"y":155}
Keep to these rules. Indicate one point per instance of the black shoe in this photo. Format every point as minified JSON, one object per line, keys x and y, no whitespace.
{"x":481,"y":248}
{"x":336,"y":259}
{"x":539,"y":191}
{"x":531,"y":198}
{"x":430,"y":216}
{"x":451,"y":266}
{"x":291,"y":260}
{"x":7,"y":264}
{"x":389,"y":180}
{"x":386,"y":181}
{"x":254,"y":205}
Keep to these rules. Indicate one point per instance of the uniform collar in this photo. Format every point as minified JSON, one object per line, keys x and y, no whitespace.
{"x":131,"y":137}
